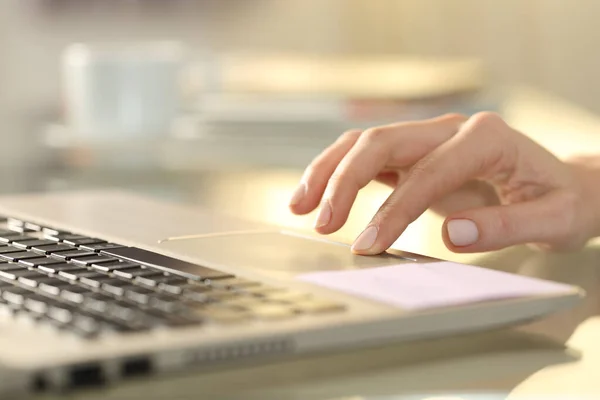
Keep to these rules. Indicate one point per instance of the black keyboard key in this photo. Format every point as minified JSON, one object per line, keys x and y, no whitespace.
{"x":165,"y":304}
{"x":85,"y":325}
{"x":17,"y":273}
{"x":32,"y":280}
{"x":97,"y":302}
{"x":7,"y":232}
{"x":17,"y":229}
{"x":15,"y":222}
{"x":155,"y":280}
{"x":61,"y":313}
{"x":94,"y":281}
{"x":173,"y":265}
{"x":73,"y":293}
{"x":77,"y":242}
{"x":30,"y":243}
{"x":33,"y":227}
{"x":67,"y":255}
{"x":11,"y":267}
{"x":124,"y":312}
{"x":16,"y":295}
{"x":52,"y":286}
{"x":178,"y":321}
{"x":21,"y":229}
{"x":146,"y":280}
{"x":40,"y":261}
{"x":100,"y":246}
{"x":112,"y":266}
{"x":4,"y":249}
{"x":17,"y":238}
{"x":53,"y":232}
{"x":172,"y":284}
{"x":116,"y":286}
{"x":198,"y":293}
{"x":132,"y":273}
{"x":139,"y":295}
{"x":22,"y":255}
{"x":37,"y":303}
{"x":95,"y":259}
{"x":76,"y":274}
{"x":56,"y":268}
{"x":54,"y":248}
{"x":60,"y":238}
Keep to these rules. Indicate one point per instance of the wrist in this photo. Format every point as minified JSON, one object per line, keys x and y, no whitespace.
{"x":587,"y":173}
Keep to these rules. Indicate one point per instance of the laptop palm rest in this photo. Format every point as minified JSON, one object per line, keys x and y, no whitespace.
{"x":274,"y":251}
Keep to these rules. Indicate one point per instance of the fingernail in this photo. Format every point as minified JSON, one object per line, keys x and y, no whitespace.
{"x":324,"y":215}
{"x":366,"y":239}
{"x":298,"y":194}
{"x":462,"y":232}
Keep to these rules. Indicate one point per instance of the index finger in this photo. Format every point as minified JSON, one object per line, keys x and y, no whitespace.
{"x":476,"y":148}
{"x":392,"y":146}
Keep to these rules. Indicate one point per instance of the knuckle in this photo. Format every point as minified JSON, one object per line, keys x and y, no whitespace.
{"x":350,"y":135}
{"x":374,"y":134}
{"x":505,"y":224}
{"x":486,"y":130}
{"x":484,"y":121}
{"x":457,"y":117}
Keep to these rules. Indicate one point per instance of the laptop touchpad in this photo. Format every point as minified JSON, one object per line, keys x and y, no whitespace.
{"x":273,"y":251}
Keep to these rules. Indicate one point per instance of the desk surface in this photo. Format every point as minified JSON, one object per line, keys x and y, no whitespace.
{"x":558,"y":356}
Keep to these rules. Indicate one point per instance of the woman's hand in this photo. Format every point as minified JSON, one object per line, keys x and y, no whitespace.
{"x":495,"y":186}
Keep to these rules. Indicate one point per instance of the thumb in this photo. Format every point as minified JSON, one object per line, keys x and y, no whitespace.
{"x":549,"y":220}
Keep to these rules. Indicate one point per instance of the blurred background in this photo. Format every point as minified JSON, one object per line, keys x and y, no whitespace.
{"x":223,"y":102}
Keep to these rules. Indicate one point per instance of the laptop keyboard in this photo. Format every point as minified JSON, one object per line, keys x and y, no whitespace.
{"x":90,"y":287}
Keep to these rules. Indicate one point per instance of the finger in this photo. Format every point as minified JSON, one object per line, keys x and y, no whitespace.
{"x":318,"y":172}
{"x":547,"y":220}
{"x":395,"y":145}
{"x":469,"y":154}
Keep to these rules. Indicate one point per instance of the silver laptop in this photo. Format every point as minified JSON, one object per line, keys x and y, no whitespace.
{"x":98,"y":287}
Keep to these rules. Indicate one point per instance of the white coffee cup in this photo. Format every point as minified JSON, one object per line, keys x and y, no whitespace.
{"x":122,"y":91}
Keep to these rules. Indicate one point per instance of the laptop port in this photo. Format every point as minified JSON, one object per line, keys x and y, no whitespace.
{"x":136,"y":367}
{"x":82,"y":376}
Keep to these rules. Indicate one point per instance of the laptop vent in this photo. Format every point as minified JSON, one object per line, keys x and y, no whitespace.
{"x":241,"y":351}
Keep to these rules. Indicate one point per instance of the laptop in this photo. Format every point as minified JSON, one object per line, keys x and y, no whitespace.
{"x":98,"y":287}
